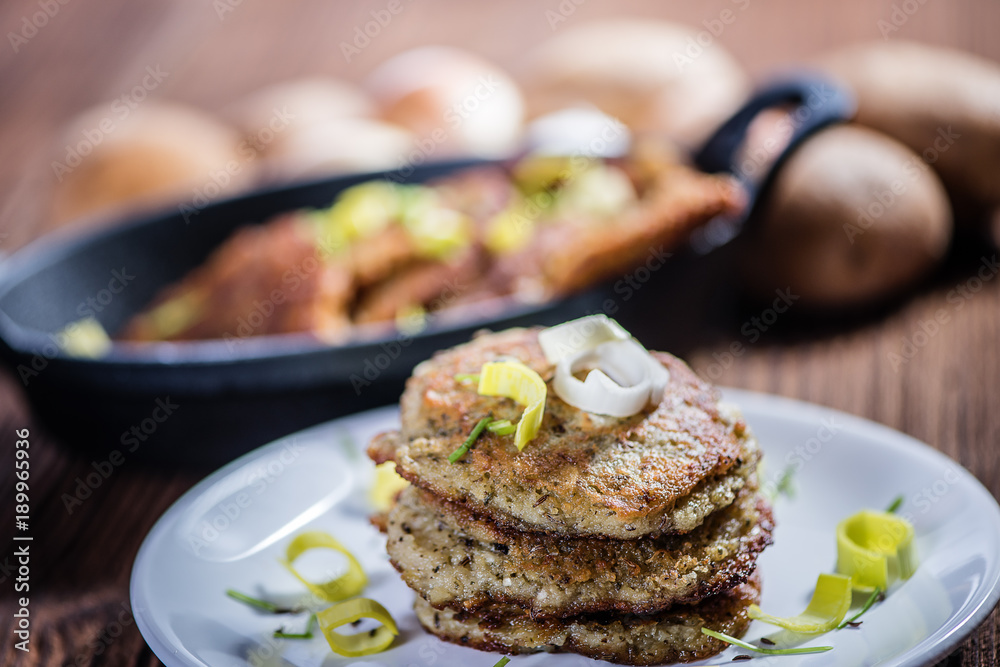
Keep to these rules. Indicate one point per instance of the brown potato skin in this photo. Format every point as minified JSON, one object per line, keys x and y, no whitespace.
{"x":943,"y":104}
{"x":835,"y":232}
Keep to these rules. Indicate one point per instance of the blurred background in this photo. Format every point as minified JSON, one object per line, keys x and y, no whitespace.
{"x":881,"y":233}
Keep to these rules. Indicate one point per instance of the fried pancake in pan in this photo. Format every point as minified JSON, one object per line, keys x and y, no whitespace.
{"x":265,"y":279}
{"x":455,"y":559}
{"x":566,"y":256}
{"x":662,"y":470}
{"x":669,"y":636}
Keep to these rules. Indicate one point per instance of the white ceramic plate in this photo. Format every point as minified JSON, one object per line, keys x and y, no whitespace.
{"x":229,"y":530}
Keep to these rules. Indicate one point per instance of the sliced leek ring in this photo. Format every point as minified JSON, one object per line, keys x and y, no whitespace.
{"x":622,"y":394}
{"x":875,"y":549}
{"x":622,"y":379}
{"x":598,"y":342}
{"x":362,"y":643}
{"x":579,"y":335}
{"x":826,"y":609}
{"x":345,"y":586}
{"x":514,"y":380}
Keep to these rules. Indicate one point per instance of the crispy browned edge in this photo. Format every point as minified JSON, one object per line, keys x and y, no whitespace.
{"x":736,"y":570}
{"x":717,"y":609}
{"x":381,"y":449}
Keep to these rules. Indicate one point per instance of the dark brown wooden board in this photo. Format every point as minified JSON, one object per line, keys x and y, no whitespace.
{"x":948,"y":394}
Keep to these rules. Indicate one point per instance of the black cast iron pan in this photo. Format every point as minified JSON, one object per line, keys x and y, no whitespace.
{"x":200,"y":404}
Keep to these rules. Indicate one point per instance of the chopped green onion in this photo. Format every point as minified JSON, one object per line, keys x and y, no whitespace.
{"x":467,"y":445}
{"x":502,"y":661}
{"x":467,"y":377}
{"x":501,"y":427}
{"x":768,"y":651}
{"x":308,"y":634}
{"x":263,"y":605}
{"x":896,"y":503}
{"x":868,"y":603}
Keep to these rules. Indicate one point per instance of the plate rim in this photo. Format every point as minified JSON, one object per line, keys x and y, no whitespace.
{"x":777,"y":406}
{"x":983,"y":607}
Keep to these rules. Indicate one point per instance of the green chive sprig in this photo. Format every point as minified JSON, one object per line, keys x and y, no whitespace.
{"x":876,"y":594}
{"x":467,"y":445}
{"x":263,"y":605}
{"x":767,"y":651}
{"x":308,"y":634}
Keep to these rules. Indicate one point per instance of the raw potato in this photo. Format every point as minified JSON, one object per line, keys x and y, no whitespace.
{"x":652,"y":75}
{"x":941,"y":103}
{"x":158,"y":154}
{"x":853,"y":216}
{"x":454,"y":101}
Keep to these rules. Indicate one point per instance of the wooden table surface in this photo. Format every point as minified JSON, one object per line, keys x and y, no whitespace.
{"x":88,"y":53}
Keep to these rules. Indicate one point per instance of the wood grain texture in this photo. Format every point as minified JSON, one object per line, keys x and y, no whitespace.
{"x":89,"y":53}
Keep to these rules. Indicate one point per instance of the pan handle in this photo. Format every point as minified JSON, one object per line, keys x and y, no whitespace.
{"x":816,"y":102}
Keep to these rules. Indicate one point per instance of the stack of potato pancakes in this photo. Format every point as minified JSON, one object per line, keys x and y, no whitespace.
{"x":616,"y":538}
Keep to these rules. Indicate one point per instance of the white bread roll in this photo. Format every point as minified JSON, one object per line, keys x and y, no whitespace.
{"x":452,"y":100}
